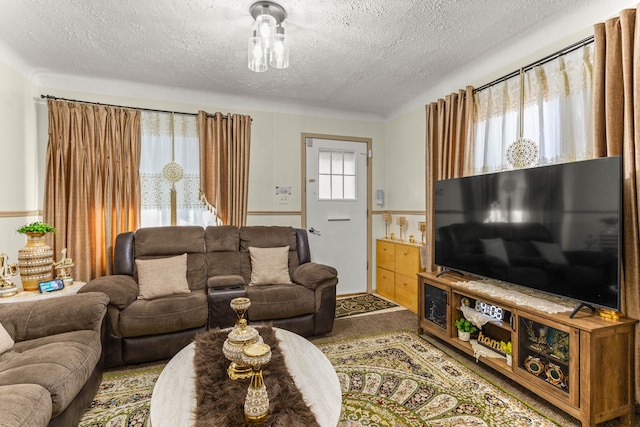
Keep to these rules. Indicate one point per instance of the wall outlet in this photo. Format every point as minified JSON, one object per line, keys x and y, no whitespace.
{"x":283,"y":199}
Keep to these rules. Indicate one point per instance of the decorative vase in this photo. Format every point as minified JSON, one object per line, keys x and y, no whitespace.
{"x":509,"y":359}
{"x":464,"y":336}
{"x":35,"y":262}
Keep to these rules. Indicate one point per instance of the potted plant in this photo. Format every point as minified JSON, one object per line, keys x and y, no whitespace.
{"x":507,"y":349}
{"x":36,"y":228}
{"x":465,"y":329}
{"x":35,"y":260}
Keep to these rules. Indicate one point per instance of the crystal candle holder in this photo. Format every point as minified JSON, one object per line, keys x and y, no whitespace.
{"x":256,"y":404}
{"x":238,"y":338}
{"x":240,"y":305}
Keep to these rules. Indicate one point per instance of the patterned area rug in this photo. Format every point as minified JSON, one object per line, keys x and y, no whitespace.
{"x":393,"y":379}
{"x":361,"y":304}
{"x":398,"y":379}
{"x":123,"y":399}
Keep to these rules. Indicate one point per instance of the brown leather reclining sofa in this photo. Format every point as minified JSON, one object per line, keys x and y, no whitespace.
{"x":220,"y":264}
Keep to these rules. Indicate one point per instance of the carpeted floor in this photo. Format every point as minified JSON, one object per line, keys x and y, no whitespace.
{"x":399,"y":379}
{"x":138,"y":392}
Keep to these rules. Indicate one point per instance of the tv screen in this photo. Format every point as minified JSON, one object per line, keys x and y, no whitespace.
{"x":556,"y":229}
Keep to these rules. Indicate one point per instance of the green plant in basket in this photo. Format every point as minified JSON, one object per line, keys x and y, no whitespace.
{"x":506,"y":347}
{"x":36,"y":227}
{"x":464,"y":325}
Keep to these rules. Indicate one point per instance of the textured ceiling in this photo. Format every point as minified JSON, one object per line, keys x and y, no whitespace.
{"x":368,"y":57}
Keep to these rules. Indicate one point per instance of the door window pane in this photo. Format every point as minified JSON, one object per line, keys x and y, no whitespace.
{"x":336,"y":175}
{"x":349,"y":187}
{"x":324,"y":187}
{"x":336,"y":162}
{"x":324,"y":162}
{"x":349,"y":163}
{"x":336,"y":187}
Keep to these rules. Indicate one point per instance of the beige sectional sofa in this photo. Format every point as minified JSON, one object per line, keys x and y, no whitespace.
{"x":154,"y":312}
{"x":51,"y":370}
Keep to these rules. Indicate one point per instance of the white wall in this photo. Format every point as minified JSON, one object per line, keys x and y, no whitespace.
{"x":20,"y":159}
{"x":398,"y":144}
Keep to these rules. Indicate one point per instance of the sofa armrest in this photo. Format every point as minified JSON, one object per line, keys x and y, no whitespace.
{"x":50,"y":316}
{"x":121,"y":289}
{"x":312,"y":275}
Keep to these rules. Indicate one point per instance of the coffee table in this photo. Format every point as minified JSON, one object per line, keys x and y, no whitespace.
{"x":173,"y":401}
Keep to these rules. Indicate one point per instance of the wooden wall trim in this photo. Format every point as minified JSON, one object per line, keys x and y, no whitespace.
{"x":19,"y":214}
{"x":274,"y":213}
{"x":394,"y":212}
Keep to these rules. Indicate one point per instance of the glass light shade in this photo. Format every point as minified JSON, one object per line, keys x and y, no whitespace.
{"x":265,"y":26}
{"x":279,"y":50}
{"x":257,"y":52}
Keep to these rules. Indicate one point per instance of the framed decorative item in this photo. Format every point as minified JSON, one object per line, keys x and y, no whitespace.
{"x":534,"y":365}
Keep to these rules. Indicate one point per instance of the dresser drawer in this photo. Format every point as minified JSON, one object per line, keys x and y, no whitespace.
{"x":385,"y":283}
{"x":385,"y":255}
{"x":407,"y":260}
{"x":407,"y":291}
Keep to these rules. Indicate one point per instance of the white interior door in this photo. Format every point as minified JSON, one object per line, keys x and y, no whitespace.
{"x":336,"y":209}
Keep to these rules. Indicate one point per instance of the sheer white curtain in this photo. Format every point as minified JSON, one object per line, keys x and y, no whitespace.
{"x":557,"y":113}
{"x":169,"y":139}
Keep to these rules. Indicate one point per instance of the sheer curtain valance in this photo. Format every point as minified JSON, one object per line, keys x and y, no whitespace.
{"x":557,"y":113}
{"x":170,"y":165}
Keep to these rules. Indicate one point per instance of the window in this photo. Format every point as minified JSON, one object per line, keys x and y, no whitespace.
{"x":336,"y":175}
{"x":169,"y":163}
{"x":557,"y":113}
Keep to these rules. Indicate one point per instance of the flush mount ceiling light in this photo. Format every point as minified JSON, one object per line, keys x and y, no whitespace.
{"x":268,"y":45}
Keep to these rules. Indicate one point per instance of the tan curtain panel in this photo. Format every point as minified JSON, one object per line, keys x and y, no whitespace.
{"x":617,"y":133}
{"x":92,"y":188}
{"x":448,"y":149}
{"x":225,"y":143}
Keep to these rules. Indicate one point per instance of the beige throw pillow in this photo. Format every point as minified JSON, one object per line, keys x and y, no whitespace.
{"x":270,"y":266}
{"x":161,"y":277}
{"x":6,"y":342}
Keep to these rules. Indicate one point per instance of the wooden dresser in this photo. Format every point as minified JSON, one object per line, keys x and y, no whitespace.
{"x":398,"y":264}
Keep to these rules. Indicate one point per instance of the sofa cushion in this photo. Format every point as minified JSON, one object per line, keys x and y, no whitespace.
{"x":161,"y":242}
{"x":266,"y":237}
{"x":279,"y":302}
{"x":161,"y":277}
{"x":25,"y":405}
{"x":270,"y":266}
{"x":68,"y":359}
{"x":6,"y":342}
{"x":164,"y":315}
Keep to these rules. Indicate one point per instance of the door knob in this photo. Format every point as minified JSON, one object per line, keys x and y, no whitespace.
{"x":314,"y":231}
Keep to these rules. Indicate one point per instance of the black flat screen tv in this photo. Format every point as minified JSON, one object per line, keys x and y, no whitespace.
{"x":556,"y":228}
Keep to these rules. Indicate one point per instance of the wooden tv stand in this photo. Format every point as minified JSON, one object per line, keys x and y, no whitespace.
{"x":582,"y":365}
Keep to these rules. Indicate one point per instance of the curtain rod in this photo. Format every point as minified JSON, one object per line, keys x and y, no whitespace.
{"x":224,"y":116}
{"x":544,"y":60}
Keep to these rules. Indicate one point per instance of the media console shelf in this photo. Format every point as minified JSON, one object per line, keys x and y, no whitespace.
{"x":583,"y":365}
